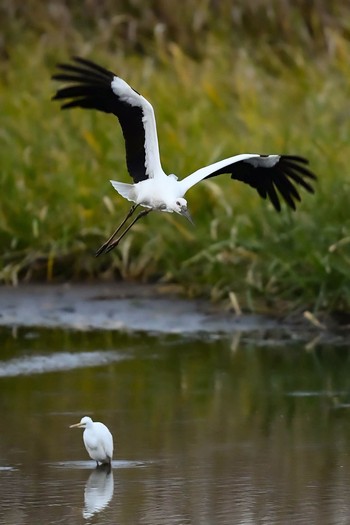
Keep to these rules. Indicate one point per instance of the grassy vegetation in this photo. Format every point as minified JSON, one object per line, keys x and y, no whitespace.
{"x":268,"y":77}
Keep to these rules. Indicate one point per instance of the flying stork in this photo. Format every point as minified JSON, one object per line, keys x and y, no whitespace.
{"x":91,"y":86}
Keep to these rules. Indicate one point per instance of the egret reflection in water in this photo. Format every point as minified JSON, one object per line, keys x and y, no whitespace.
{"x":99,"y":490}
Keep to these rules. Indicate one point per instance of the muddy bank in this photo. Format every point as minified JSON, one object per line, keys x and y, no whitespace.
{"x":124,"y":306}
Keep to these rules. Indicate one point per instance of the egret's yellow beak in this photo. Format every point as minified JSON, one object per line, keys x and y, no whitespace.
{"x":76,"y":425}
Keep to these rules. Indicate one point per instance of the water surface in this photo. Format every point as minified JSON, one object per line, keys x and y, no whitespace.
{"x":208,"y":430}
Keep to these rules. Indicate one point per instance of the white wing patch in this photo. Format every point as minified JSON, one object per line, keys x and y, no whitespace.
{"x":202,"y":173}
{"x":126,"y":94}
{"x":264,"y":162}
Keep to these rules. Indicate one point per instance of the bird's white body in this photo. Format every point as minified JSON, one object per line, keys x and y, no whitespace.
{"x":97,"y":439}
{"x":94,"y":87}
{"x":158,"y":193}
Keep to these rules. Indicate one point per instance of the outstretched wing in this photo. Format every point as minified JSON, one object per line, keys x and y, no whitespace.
{"x":90,"y":86}
{"x":273,"y":176}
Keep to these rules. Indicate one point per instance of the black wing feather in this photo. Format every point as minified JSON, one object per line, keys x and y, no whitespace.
{"x":298,"y":179}
{"x":266,"y":179}
{"x":90,"y":88}
{"x":287,"y":190}
{"x":271,"y":192}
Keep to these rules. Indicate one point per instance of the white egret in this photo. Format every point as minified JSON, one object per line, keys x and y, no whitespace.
{"x":97,"y":439}
{"x":91,"y":86}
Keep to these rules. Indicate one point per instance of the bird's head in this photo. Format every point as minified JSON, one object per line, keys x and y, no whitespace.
{"x":83,"y":423}
{"x":180,"y":207}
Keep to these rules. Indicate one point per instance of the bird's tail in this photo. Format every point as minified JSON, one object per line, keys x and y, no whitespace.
{"x":125,"y":190}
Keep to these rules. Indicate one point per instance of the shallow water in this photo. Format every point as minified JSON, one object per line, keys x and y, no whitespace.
{"x":207,"y":430}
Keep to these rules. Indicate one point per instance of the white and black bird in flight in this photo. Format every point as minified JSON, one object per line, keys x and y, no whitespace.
{"x":91,"y":86}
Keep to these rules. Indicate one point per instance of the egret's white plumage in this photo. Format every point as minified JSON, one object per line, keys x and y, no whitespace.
{"x":97,"y":439}
{"x":91,"y":86}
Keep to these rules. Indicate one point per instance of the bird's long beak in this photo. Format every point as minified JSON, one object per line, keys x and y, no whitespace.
{"x":76,"y":425}
{"x":186,"y":213}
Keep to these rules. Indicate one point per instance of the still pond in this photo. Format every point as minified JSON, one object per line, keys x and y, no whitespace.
{"x":208,"y":430}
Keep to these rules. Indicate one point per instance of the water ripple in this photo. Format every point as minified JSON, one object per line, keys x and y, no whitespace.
{"x":41,"y":364}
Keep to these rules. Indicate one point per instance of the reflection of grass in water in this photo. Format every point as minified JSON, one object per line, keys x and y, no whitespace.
{"x":57,"y":205}
{"x":173,"y":393}
{"x":200,"y":419}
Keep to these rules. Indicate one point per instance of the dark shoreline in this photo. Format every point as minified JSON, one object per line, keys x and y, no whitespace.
{"x":146,"y":308}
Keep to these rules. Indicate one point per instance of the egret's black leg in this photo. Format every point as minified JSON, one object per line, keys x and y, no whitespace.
{"x":117,"y":241}
{"x":104,"y":246}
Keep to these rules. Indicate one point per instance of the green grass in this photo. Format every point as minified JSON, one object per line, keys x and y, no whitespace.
{"x":249,"y":92}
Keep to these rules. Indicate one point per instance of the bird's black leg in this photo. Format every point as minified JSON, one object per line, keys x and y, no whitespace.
{"x":117,"y":241}
{"x":105,"y":245}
